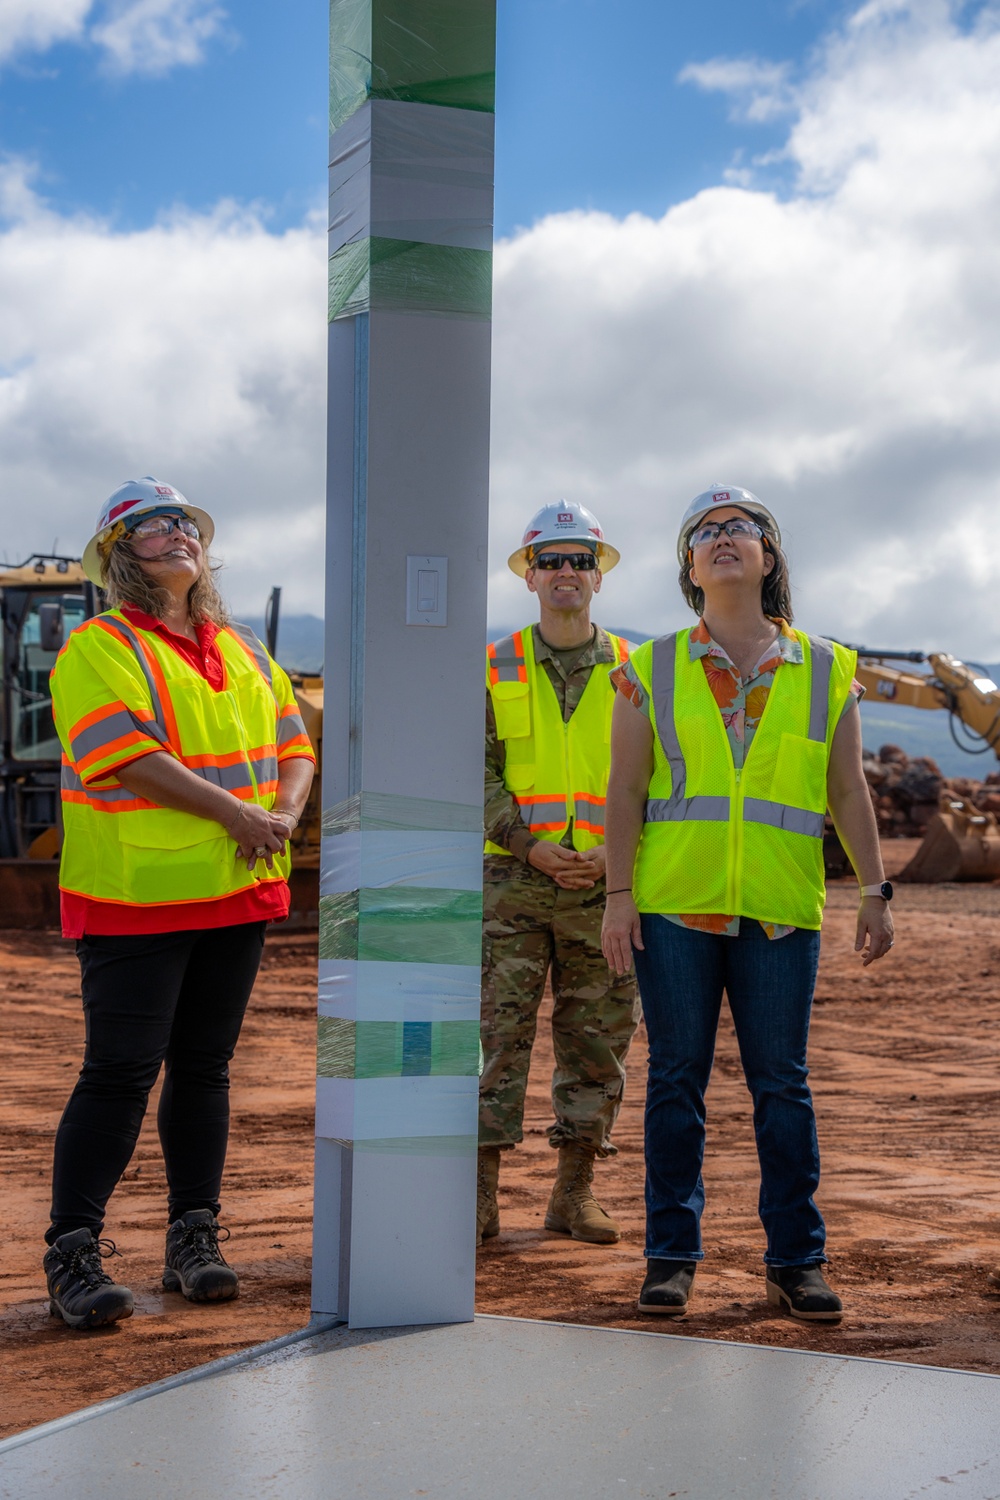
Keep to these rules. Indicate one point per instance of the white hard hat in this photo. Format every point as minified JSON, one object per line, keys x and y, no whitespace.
{"x":707,"y":501}
{"x":563,"y":522}
{"x":129,"y":501}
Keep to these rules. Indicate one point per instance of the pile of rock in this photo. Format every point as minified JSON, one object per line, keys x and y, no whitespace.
{"x":907,"y":793}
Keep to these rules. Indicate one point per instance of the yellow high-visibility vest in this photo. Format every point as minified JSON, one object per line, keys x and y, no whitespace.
{"x":746,"y":842}
{"x":556,"y":771}
{"x":118,"y":692}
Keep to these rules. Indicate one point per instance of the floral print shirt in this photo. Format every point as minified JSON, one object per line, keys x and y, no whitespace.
{"x":741,"y":702}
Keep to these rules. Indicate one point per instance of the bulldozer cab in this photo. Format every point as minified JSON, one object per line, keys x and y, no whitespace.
{"x":41,"y":601}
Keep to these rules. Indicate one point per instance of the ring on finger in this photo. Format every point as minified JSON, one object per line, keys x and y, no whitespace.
{"x":260,"y":851}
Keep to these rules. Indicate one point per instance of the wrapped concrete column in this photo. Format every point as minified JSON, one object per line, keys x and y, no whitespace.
{"x":411,"y":208}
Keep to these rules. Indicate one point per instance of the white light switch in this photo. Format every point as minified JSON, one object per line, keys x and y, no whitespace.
{"x":426,"y":591}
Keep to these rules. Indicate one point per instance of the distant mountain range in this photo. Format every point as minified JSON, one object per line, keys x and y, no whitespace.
{"x":300,"y":649}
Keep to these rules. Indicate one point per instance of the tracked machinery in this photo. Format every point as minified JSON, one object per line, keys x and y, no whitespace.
{"x":41,"y":601}
{"x":962,"y":842}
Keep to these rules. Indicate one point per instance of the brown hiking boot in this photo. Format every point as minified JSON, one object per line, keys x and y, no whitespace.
{"x":573,"y":1209}
{"x":487,"y":1212}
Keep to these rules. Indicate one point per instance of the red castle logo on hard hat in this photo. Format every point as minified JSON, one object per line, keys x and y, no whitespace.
{"x":163,"y":489}
{"x":722,"y":495}
{"x":566,"y":515}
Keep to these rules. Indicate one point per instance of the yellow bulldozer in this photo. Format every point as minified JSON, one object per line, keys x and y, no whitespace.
{"x":962,"y":842}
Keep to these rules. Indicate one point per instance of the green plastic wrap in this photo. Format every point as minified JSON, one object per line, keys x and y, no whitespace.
{"x":409,"y":276}
{"x":402,"y":924}
{"x":437,"y":52}
{"x":397,"y":1049}
{"x":385,"y":812}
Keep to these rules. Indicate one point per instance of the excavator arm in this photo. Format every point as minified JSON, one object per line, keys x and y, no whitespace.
{"x":961,"y":842}
{"x":969,"y":695}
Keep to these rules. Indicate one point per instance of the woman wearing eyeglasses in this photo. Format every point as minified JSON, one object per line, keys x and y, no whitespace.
{"x":185,"y":769}
{"x":729,"y":742}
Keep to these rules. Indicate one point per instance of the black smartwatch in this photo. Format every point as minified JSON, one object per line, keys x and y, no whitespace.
{"x":884,"y":890}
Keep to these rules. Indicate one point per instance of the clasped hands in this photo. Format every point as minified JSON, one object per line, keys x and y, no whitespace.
{"x":573,"y":870}
{"x":256,"y":829}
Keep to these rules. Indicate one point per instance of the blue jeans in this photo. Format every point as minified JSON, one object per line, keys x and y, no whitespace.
{"x":682,"y":974}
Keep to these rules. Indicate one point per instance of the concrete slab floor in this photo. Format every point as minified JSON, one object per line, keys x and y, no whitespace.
{"x":505,"y":1409}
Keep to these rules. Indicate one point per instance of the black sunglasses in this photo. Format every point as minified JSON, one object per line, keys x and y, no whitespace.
{"x":551,"y":562}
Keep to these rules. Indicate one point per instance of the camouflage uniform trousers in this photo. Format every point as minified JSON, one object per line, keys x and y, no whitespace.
{"x":530,"y":924}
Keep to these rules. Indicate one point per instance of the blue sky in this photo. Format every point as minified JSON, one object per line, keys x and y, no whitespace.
{"x":590,"y":115}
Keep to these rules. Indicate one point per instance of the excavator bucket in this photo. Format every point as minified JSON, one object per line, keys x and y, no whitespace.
{"x":961,"y":843}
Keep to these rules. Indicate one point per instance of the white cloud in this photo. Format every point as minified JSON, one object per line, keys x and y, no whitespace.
{"x":35,"y":25}
{"x":838,"y":352}
{"x":134,"y":36}
{"x":193,"y":350}
{"x":758,"y":90}
{"x":153,"y":36}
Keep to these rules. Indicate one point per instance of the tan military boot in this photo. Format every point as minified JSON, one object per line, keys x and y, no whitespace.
{"x":573,"y":1209}
{"x":487,"y":1212}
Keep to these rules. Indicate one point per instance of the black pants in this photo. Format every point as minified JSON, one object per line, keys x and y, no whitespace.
{"x":173,"y":997}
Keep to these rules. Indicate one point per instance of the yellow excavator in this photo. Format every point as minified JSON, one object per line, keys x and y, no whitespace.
{"x":962,"y":842}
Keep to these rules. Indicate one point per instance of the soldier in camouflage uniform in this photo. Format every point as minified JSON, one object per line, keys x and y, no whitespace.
{"x":543,"y":876}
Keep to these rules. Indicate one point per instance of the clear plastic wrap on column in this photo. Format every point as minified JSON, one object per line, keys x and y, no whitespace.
{"x":412,"y":172}
{"x":437,"y":52}
{"x":400,"y":939}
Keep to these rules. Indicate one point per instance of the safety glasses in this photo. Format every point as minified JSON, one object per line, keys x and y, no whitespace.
{"x":737,"y":526}
{"x":164,"y":525}
{"x":551,"y":562}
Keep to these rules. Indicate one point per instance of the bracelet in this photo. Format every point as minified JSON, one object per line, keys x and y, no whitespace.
{"x":277,"y":812}
{"x":230,"y":826}
{"x":620,"y":891}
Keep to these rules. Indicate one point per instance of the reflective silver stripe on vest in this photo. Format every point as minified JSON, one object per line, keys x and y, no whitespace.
{"x":821,"y":652}
{"x":506,"y":662}
{"x":233,"y":778}
{"x":591,"y":813}
{"x":129,"y":636}
{"x":778,"y":815}
{"x":290,"y":727}
{"x":71,"y":782}
{"x":679,"y":810}
{"x":538,"y":814}
{"x":678,"y":807}
{"x":265,"y":765}
{"x":256,"y":650}
{"x":114,"y":726}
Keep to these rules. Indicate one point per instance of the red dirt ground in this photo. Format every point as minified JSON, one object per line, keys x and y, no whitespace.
{"x":904,"y":1068}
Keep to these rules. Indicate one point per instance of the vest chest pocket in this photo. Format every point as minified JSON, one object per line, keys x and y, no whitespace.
{"x":800,"y":773}
{"x":512,"y":707}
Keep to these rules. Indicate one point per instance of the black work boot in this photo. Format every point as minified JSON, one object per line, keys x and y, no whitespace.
{"x":803,"y":1292}
{"x":194,"y":1263}
{"x":79,"y":1290}
{"x":666,"y":1287}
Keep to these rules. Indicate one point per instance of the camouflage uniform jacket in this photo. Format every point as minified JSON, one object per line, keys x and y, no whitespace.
{"x":502,"y":817}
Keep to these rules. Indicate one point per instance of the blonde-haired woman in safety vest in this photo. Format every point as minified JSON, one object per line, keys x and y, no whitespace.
{"x":185,"y":769}
{"x":729,"y":742}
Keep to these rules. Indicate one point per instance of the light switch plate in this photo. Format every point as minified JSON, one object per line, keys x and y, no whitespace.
{"x":426,"y":591}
